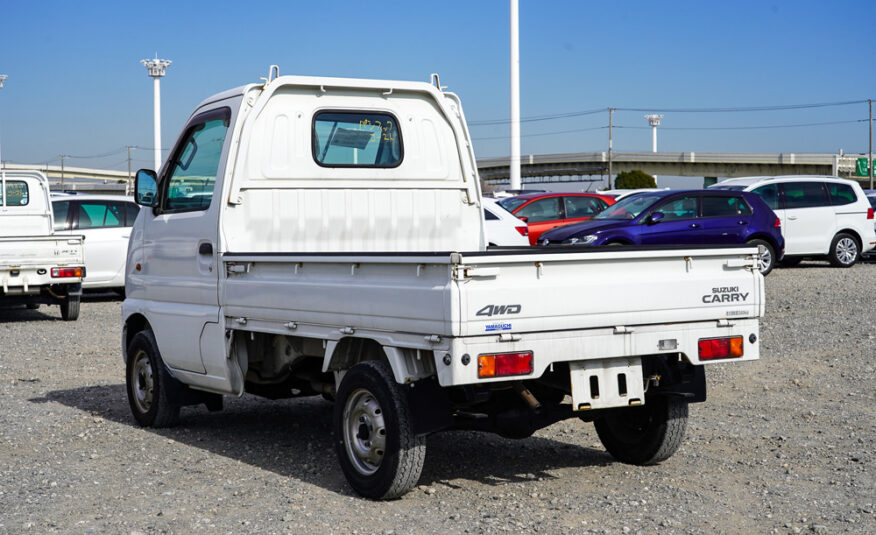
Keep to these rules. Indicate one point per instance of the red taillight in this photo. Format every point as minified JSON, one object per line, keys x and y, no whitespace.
{"x":60,"y":273}
{"x":502,"y":364}
{"x":869,"y":213}
{"x":778,"y":223}
{"x":524,"y":231}
{"x":721,"y":348}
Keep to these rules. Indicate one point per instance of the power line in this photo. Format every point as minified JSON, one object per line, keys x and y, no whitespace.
{"x":536,"y":118}
{"x":543,"y":133}
{"x":757,"y":127}
{"x":746,"y":108}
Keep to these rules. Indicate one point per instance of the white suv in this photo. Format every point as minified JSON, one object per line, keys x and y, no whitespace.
{"x":105,"y":221}
{"x":821,"y":215}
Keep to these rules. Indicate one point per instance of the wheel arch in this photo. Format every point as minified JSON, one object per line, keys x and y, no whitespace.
{"x":854,"y":233}
{"x":765,"y":237}
{"x":134,"y":324}
{"x":407,"y":364}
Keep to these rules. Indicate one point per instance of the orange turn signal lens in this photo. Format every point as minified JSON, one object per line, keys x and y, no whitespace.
{"x":487,"y":366}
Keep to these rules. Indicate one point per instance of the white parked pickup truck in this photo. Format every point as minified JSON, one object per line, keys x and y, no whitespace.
{"x":324,"y":236}
{"x":36,"y":266}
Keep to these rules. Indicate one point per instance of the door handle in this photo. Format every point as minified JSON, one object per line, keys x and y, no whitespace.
{"x":205,"y":248}
{"x":793,"y":217}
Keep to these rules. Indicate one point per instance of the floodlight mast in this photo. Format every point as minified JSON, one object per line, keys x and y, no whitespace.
{"x":514,"y":164}
{"x":156,"y":69}
{"x":3,"y":78}
{"x":654,"y":121}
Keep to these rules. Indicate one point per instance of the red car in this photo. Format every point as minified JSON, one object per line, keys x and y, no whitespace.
{"x":544,"y":211}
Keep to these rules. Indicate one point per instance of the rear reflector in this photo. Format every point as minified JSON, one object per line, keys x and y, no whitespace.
{"x":60,"y":273}
{"x":504,"y":364}
{"x":524,"y":231}
{"x":720,"y":348}
{"x":869,"y":213}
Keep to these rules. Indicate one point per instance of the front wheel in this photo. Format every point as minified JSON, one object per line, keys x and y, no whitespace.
{"x":148,"y":384}
{"x":70,"y":308}
{"x":379,"y":453}
{"x":766,"y":255}
{"x":844,"y":250}
{"x":644,"y":435}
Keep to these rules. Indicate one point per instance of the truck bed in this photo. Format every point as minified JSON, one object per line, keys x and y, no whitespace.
{"x":525,"y":290}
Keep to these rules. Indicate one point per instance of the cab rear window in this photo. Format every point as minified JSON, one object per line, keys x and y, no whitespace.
{"x":16,"y":193}
{"x":356,"y":139}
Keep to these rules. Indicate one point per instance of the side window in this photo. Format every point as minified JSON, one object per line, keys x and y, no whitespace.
{"x":724,"y":206}
{"x":60,"y":209}
{"x":804,"y":194}
{"x":541,"y":210}
{"x":356,"y":139}
{"x":680,"y":208}
{"x":195,"y":164}
{"x":770,"y":195}
{"x":841,"y":194}
{"x":131,"y":211}
{"x":99,"y":214}
{"x":490,"y":216}
{"x":581,"y":207}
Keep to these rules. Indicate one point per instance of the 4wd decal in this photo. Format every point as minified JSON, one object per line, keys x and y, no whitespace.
{"x":498,"y":310}
{"x":726,"y":294}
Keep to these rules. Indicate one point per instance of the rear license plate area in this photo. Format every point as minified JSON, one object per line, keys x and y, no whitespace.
{"x":607,"y":383}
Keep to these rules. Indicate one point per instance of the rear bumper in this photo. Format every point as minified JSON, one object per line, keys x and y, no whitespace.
{"x":590,"y":344}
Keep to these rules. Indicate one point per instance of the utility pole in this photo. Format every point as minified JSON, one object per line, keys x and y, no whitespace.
{"x":62,"y":156}
{"x":610,"y":117}
{"x":156,"y":69}
{"x":128,"y":185}
{"x":514,"y":164}
{"x":870,"y":159}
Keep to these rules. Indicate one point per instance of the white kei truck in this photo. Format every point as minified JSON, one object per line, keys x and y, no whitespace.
{"x":36,"y":266}
{"x":324,"y":236}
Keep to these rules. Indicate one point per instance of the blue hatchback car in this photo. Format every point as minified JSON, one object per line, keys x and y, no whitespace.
{"x":681,"y":217}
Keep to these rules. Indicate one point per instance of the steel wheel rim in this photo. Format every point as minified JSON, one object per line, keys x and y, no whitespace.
{"x":364,"y":432}
{"x":846,"y":250}
{"x":765,"y":259}
{"x":142,"y":382}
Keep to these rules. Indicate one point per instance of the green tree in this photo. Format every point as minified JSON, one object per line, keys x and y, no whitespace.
{"x":634,"y":179}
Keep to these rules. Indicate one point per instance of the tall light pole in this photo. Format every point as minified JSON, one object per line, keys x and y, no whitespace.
{"x":654,"y":121}
{"x":157,"y":68}
{"x":3,"y":78}
{"x":514,"y":164}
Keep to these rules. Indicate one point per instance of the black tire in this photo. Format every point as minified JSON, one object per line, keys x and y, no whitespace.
{"x":844,"y":250}
{"x":148,"y":384}
{"x":379,"y":453}
{"x":644,"y":435}
{"x":791,"y":261}
{"x":70,"y":308}
{"x":767,"y":260}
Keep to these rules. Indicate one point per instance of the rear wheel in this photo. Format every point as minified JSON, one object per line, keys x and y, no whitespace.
{"x":70,"y":308}
{"x":844,"y":250}
{"x":149,"y":384}
{"x":766,"y":256}
{"x":379,"y":453}
{"x":644,"y":435}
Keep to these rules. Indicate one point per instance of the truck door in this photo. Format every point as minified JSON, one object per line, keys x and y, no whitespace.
{"x":179,"y":241}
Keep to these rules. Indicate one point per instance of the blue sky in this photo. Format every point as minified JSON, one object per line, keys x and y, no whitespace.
{"x":76,"y":85}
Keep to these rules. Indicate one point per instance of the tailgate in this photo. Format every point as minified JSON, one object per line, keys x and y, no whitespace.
{"x":548,"y":291}
{"x":30,"y":251}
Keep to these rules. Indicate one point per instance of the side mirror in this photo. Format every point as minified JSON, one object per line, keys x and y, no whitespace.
{"x":146,"y":188}
{"x":656,"y":217}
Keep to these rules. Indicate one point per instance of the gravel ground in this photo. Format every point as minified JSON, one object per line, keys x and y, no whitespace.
{"x":783,"y":445}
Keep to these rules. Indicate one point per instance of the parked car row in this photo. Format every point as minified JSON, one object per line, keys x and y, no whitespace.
{"x":788,"y":218}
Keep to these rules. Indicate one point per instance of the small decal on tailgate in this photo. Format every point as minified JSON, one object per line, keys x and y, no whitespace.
{"x":726,"y":294}
{"x":490,"y":327}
